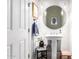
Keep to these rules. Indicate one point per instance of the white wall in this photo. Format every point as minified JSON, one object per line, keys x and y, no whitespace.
{"x":66,"y":5}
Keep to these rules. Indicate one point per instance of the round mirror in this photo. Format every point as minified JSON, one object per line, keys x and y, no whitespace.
{"x":54,"y":17}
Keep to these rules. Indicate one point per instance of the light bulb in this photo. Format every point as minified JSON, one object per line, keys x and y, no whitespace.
{"x":62,"y":12}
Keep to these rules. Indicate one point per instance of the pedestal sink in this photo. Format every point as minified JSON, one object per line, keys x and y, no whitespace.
{"x":55,"y":45}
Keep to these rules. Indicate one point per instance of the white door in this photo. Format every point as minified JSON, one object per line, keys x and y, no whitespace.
{"x":17,"y":29}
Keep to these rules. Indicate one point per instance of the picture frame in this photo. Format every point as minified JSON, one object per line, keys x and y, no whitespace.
{"x":34,"y":11}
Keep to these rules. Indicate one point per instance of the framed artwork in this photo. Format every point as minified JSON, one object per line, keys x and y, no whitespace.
{"x":34,"y":11}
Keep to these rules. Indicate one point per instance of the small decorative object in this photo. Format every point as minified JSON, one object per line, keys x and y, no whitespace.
{"x":41,"y":44}
{"x":53,"y":21}
{"x":60,"y":31}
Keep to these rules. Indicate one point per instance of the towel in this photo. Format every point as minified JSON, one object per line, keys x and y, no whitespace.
{"x":35,"y":30}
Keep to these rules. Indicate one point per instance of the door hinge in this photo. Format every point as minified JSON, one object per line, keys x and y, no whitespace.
{"x":28,"y":29}
{"x":29,"y":4}
{"x":28,"y":56}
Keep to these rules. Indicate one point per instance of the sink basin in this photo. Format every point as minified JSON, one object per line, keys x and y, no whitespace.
{"x":54,"y":36}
